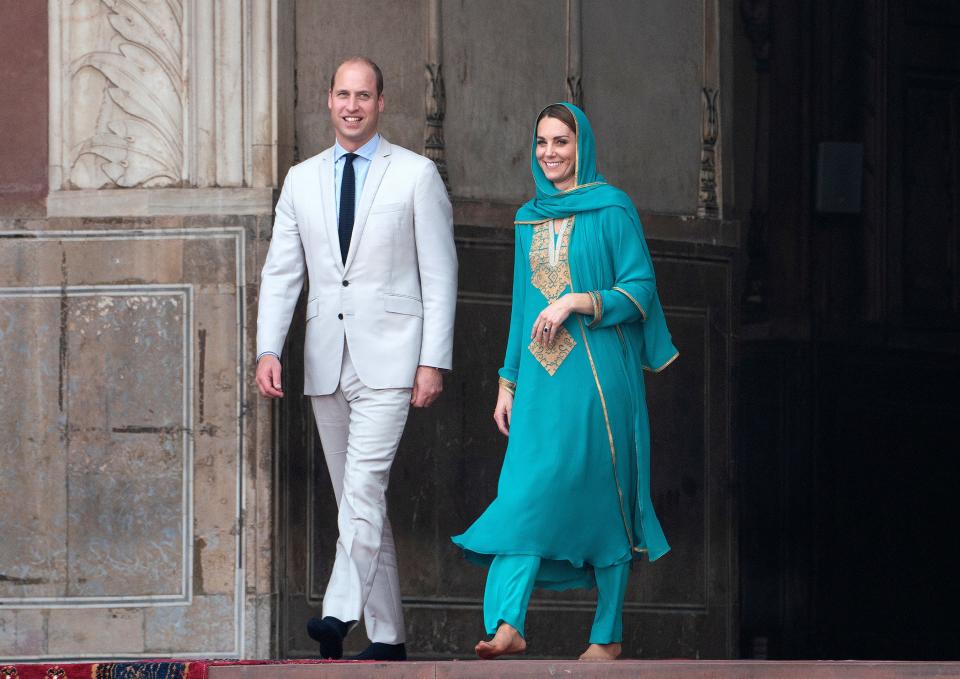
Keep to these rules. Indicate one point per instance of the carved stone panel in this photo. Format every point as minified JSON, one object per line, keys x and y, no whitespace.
{"x":124,"y":67}
{"x":162,"y":93}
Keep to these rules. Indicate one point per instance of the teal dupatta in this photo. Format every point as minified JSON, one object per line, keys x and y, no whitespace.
{"x":609,"y":257}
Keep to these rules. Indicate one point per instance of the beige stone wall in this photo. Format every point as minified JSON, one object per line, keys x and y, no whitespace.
{"x":140,"y":519}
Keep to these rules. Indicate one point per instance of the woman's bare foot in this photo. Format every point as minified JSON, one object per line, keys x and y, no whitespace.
{"x":506,"y":641}
{"x":601,"y":652}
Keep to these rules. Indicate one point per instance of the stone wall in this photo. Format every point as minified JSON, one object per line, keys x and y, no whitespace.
{"x":139,"y":522}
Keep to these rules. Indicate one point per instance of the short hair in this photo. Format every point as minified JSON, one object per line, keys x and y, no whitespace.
{"x":363,"y":60}
{"x":561,"y":113}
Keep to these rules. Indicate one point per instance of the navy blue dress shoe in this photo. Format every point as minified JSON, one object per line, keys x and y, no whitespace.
{"x":378,"y":651}
{"x":329,"y":633}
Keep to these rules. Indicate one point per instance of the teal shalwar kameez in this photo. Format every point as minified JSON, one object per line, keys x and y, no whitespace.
{"x":573,"y":503}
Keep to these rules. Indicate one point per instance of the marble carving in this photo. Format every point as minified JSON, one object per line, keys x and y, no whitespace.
{"x":137,"y":137}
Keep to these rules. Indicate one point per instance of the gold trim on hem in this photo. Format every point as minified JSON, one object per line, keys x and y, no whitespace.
{"x":643,"y":314}
{"x":664,"y":366}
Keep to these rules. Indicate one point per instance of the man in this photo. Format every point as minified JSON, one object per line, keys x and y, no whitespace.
{"x":370,"y":225}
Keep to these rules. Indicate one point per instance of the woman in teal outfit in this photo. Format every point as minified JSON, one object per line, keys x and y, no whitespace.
{"x":573,"y":503}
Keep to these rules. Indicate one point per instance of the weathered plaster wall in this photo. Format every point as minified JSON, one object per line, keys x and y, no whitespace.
{"x":503,"y":61}
{"x":642,"y":76}
{"x":390,"y":33}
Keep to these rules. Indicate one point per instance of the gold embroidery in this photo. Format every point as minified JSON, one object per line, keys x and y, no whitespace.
{"x":549,"y":280}
{"x":551,"y":356}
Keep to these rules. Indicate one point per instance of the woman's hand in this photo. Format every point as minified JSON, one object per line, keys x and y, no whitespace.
{"x":548,"y":323}
{"x":501,"y":413}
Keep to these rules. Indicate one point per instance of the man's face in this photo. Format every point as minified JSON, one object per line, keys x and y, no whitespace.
{"x":354,"y":105}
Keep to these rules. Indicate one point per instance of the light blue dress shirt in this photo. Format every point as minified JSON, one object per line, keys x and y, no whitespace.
{"x":360,"y":166}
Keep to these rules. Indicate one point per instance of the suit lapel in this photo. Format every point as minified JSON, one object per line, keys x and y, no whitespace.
{"x":328,"y":206}
{"x":378,"y":166}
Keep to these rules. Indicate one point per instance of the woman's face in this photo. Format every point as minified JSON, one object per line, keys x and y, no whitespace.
{"x":557,"y":152}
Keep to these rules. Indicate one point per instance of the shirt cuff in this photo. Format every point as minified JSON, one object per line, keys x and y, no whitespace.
{"x":597,"y":300}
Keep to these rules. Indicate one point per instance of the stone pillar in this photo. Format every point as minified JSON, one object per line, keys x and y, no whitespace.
{"x":140,"y":525}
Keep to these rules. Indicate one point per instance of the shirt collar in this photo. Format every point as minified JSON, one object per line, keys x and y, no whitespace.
{"x":366,"y":151}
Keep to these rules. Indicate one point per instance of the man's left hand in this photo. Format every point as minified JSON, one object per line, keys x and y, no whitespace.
{"x":427,"y":385}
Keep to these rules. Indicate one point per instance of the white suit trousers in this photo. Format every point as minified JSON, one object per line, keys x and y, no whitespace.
{"x":360,"y":430}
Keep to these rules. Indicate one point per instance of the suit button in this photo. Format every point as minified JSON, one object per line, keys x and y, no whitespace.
{"x":346,"y":283}
{"x":340,"y":316}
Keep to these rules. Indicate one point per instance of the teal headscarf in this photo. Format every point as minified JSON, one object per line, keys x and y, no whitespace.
{"x":590,"y":190}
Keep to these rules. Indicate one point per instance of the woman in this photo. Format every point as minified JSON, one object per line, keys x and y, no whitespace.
{"x":573,"y":503}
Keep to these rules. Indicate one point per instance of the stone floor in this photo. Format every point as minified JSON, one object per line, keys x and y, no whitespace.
{"x":645,"y":669}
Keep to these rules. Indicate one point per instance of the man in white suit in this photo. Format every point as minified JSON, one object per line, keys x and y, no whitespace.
{"x":370,"y":225}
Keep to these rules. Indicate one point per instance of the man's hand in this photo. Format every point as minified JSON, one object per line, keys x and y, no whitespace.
{"x":503,"y":410}
{"x":427,"y":385}
{"x":268,"y":376}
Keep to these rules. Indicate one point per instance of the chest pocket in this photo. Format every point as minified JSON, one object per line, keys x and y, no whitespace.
{"x":383,"y":223}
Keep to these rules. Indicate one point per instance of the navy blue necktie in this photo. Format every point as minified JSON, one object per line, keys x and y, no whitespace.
{"x":348,"y":198}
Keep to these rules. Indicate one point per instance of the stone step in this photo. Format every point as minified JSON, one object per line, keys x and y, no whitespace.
{"x":621,"y":669}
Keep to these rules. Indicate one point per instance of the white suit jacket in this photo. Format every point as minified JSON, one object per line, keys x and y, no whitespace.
{"x":395,"y":297}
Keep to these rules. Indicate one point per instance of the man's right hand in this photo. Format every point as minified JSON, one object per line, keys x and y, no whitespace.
{"x":268,"y":376}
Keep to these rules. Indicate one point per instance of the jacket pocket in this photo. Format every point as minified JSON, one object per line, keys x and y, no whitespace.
{"x":313,"y":308}
{"x":400,"y":304}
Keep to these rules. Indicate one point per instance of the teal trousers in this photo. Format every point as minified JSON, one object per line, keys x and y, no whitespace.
{"x":510,"y":583}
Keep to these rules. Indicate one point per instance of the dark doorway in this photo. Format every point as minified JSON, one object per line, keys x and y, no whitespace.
{"x":848,"y":428}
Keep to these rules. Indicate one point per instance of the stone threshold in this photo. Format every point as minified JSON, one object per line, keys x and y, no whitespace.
{"x":621,"y":669}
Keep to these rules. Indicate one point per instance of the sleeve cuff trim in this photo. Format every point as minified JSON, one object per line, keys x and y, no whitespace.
{"x":643,"y":314}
